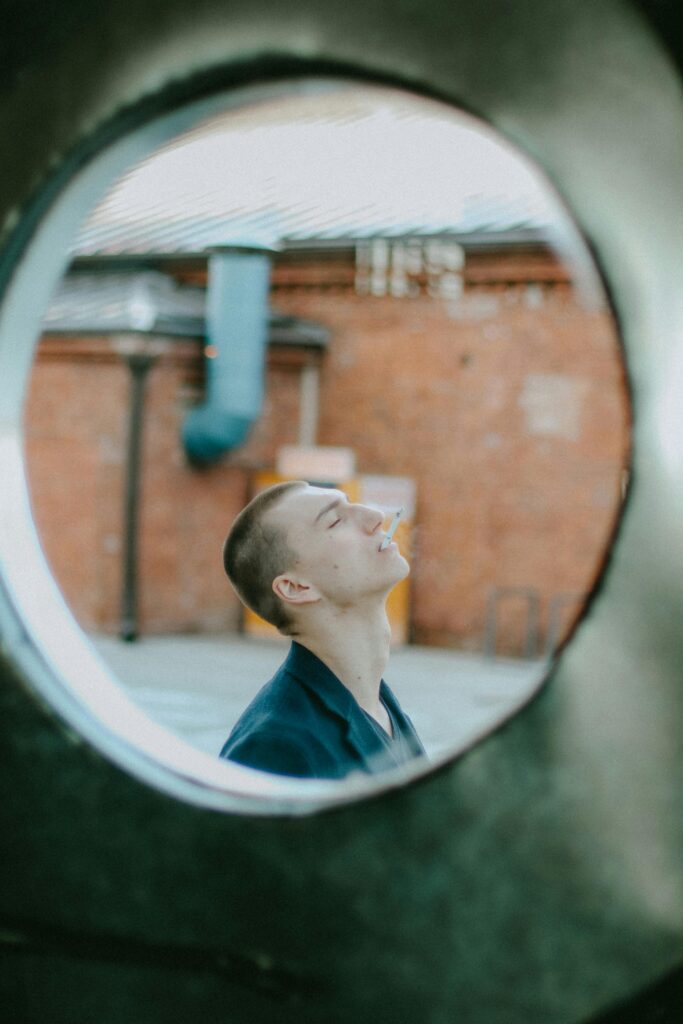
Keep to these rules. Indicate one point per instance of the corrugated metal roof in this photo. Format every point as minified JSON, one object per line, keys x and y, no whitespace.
{"x":350,"y":163}
{"x":149,"y":302}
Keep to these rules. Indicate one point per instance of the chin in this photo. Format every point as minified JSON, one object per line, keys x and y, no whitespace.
{"x":402,"y":569}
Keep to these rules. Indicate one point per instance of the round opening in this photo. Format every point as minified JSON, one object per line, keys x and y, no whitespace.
{"x":463,"y":341}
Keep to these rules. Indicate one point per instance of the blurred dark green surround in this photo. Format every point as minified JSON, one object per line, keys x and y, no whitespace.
{"x":537,"y":879}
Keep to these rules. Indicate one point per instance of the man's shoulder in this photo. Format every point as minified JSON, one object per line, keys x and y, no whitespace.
{"x":285,"y":729}
{"x":272,"y":748}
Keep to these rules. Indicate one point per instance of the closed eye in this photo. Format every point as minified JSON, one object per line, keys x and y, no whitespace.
{"x":332,"y":525}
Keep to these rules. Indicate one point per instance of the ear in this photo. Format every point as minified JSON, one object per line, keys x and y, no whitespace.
{"x":294,"y":591}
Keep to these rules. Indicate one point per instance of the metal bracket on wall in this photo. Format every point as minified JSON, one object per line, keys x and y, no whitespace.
{"x":498,"y":594}
{"x":558,"y":605}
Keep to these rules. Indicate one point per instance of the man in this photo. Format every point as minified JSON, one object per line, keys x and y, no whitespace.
{"x":310,"y":562}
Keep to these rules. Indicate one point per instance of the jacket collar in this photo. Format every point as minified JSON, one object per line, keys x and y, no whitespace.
{"x":314,"y":674}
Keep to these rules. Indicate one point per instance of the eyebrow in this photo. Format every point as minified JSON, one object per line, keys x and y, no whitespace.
{"x":328,"y":508}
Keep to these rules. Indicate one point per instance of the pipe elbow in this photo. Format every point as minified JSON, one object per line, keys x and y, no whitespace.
{"x":208,"y":434}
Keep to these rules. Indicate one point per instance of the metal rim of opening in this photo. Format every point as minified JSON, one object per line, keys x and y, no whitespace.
{"x":41,"y":638}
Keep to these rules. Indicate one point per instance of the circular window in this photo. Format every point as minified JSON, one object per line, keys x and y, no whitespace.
{"x":435,"y":336}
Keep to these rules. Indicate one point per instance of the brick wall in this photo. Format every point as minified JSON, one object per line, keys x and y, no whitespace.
{"x":76,"y":438}
{"x":507,"y":406}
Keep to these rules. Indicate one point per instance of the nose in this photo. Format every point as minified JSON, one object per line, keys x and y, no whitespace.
{"x":371,"y":518}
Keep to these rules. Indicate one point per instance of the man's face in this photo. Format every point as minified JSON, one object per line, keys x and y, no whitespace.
{"x":337,"y":545}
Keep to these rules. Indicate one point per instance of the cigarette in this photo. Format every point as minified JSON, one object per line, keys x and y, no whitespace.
{"x":392,"y":529}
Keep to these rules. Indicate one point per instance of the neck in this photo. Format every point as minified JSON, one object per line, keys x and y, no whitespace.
{"x":354,"y":644}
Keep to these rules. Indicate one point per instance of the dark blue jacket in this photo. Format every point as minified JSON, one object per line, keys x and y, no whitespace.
{"x":306,"y":723}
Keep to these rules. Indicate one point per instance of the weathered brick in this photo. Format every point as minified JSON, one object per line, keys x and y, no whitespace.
{"x":508,"y":407}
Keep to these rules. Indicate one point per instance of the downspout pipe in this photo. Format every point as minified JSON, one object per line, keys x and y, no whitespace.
{"x":139,"y":365}
{"x":237,"y":313}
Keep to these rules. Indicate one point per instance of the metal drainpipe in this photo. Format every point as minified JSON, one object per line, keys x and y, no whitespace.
{"x":139,"y":357}
{"x":309,"y":400}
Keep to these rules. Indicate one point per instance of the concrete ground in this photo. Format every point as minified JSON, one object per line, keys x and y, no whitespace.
{"x":197,"y":686}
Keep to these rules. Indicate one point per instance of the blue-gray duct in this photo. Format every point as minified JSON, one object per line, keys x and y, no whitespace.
{"x":236,"y":328}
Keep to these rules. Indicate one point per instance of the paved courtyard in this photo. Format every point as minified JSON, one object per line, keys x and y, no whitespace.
{"x":197,"y":686}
